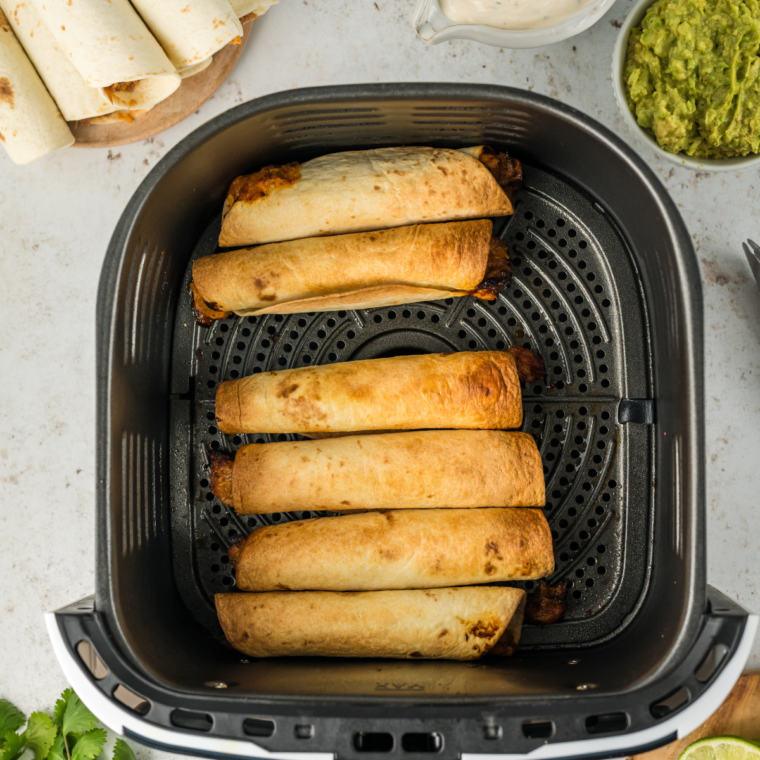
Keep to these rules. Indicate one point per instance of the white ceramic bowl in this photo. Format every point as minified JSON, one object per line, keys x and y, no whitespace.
{"x":681,"y":159}
{"x":433,"y":25}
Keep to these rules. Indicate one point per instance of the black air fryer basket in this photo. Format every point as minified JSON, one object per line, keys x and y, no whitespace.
{"x":606,"y":289}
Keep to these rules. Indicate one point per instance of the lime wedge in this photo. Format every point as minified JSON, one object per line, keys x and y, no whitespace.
{"x":722,"y":748}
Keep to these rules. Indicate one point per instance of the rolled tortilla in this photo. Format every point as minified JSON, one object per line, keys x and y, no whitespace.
{"x":417,"y":470}
{"x":257,"y":7}
{"x":361,"y":190}
{"x":193,"y":70}
{"x":117,"y":116}
{"x":31,"y":126}
{"x":424,"y":262}
{"x":451,"y":623}
{"x":475,"y":390}
{"x":190,"y":32}
{"x":401,"y":549}
{"x":112,"y":49}
{"x":73,"y":97}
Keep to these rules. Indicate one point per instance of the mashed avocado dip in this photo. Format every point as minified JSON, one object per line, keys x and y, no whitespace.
{"x":692,"y":75}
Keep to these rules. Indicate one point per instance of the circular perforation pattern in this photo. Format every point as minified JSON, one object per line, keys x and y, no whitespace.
{"x":561,"y":304}
{"x":545,"y":309}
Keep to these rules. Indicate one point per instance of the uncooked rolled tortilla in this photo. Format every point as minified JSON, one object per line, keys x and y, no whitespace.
{"x":475,"y":390}
{"x":417,"y":470}
{"x":190,"y":32}
{"x":30,"y":124}
{"x":257,"y":7}
{"x":75,"y":99}
{"x":193,"y":70}
{"x":361,"y":190}
{"x":112,"y":49}
{"x":450,"y":623}
{"x":400,"y":549}
{"x":424,"y":262}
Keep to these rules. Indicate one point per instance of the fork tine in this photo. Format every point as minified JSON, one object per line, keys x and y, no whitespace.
{"x":755,"y":247}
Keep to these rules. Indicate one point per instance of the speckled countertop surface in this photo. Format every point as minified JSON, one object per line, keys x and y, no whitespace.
{"x":56,"y":217}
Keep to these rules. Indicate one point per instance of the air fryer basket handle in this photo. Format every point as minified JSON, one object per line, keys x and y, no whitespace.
{"x":127,"y":723}
{"x":69,"y":627}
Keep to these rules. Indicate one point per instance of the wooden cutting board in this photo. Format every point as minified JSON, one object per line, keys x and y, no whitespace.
{"x":739,"y":715}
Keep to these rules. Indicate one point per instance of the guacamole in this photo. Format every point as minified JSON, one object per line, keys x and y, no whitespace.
{"x":692,"y":75}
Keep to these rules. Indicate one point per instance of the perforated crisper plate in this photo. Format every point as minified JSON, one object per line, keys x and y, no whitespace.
{"x":574,"y":299}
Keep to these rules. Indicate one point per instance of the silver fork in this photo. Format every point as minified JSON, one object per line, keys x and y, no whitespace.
{"x":752,"y":252}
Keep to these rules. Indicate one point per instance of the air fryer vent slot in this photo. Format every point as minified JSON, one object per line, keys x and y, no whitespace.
{"x":607,"y":724}
{"x":194,"y":721}
{"x":422,"y":742}
{"x":538,"y":729}
{"x":258,"y":727}
{"x":91,"y":660}
{"x":710,"y":664}
{"x":563,"y":304}
{"x":373,"y":742}
{"x":674,"y":701}
{"x":133,"y":701}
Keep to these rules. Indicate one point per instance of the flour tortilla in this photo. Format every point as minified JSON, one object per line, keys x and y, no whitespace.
{"x":400,"y":549}
{"x":193,"y":70}
{"x":415,"y":470}
{"x":190,"y":32}
{"x":461,"y":623}
{"x":117,"y":116}
{"x":388,"y":267}
{"x":257,"y":7}
{"x":73,"y":97}
{"x":31,"y":126}
{"x":108,"y":44}
{"x":358,"y":191}
{"x":475,"y":390}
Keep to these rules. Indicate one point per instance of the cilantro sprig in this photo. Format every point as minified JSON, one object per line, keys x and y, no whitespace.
{"x":71,"y":734}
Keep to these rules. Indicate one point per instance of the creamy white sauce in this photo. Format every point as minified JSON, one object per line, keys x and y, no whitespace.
{"x":511,"y":14}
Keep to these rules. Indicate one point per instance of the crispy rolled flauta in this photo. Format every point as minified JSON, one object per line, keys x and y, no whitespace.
{"x":399,"y":549}
{"x":476,"y":390}
{"x":450,"y":623}
{"x":416,"y":470}
{"x":425,"y":262}
{"x":367,"y":190}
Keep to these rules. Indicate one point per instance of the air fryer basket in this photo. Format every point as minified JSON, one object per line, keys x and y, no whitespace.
{"x":605,"y":289}
{"x":564,"y":304}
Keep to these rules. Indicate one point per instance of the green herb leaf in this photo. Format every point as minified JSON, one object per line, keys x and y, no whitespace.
{"x":77,"y":719}
{"x":13,"y":746}
{"x":57,"y":751}
{"x":89,"y":745}
{"x":40,"y":734}
{"x":11,"y":718}
{"x":60,"y":707}
{"x":122,"y":751}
